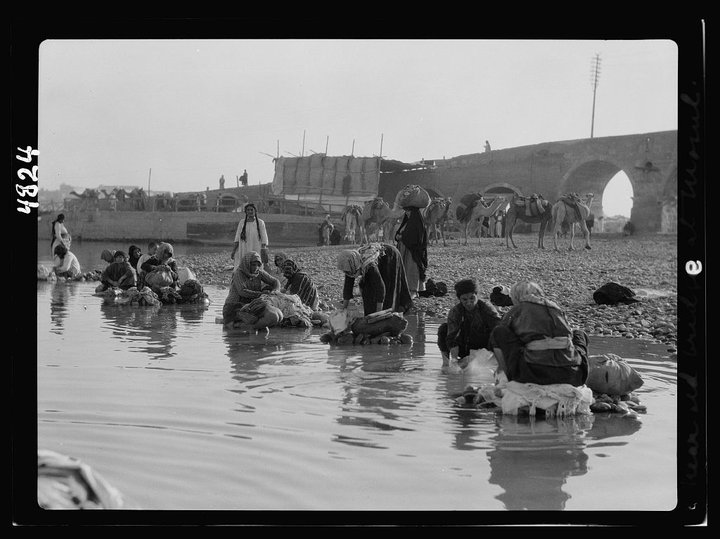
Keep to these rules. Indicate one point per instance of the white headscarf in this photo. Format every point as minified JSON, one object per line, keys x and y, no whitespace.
{"x":354,"y":262}
{"x":531,"y":292}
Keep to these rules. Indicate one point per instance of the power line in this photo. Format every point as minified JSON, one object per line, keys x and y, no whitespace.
{"x":595,"y":79}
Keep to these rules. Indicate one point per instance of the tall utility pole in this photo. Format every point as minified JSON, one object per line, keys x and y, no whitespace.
{"x":594,"y":79}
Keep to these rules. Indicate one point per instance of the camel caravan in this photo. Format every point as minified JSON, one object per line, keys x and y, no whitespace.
{"x":495,"y":218}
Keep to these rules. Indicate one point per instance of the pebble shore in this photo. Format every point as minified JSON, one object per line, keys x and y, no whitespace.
{"x":645,"y":264}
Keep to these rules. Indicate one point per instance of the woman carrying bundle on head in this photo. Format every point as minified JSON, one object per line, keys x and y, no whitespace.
{"x":412,"y":242}
{"x":383,"y":284}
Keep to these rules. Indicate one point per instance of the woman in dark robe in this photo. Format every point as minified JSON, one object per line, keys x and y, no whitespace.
{"x":412,"y":242}
{"x":534,"y":342}
{"x":383,"y":284}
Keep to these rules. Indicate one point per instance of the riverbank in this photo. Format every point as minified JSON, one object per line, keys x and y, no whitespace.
{"x":645,"y":264}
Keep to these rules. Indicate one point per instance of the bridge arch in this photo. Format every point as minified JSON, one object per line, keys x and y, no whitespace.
{"x":591,"y":176}
{"x":554,"y":168}
{"x":502,"y":188}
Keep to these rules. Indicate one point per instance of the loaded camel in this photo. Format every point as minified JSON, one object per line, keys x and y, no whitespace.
{"x":472,"y":208}
{"x":378,"y":212}
{"x":352,"y":216}
{"x":436,"y":216}
{"x":493,"y":223}
{"x":532,"y":209}
{"x":571,"y":209}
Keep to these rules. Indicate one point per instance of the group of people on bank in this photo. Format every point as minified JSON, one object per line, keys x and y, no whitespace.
{"x":125,"y":271}
{"x":532,"y":342}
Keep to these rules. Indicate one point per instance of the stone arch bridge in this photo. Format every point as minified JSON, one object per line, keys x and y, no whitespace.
{"x":554,"y":168}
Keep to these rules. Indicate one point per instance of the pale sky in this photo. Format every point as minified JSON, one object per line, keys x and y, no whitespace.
{"x":110,"y":111}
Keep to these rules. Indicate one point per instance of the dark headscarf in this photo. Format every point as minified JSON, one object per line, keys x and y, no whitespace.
{"x":291,"y":265}
{"x":134,"y":255}
{"x":257,"y":221}
{"x":60,"y":250}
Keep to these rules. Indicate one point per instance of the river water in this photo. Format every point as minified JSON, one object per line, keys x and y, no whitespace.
{"x":180,"y":414}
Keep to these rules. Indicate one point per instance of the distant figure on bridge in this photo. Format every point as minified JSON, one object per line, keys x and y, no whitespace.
{"x":244,"y":178}
{"x":222,"y":181}
{"x":487,"y":147}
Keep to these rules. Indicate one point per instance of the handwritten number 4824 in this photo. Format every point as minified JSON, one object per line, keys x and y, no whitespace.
{"x":31,"y":190}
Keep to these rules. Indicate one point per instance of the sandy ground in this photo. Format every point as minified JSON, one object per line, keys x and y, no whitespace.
{"x":645,"y":264}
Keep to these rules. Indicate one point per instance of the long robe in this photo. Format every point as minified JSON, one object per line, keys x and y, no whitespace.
{"x":412,"y":244}
{"x":253,"y":240}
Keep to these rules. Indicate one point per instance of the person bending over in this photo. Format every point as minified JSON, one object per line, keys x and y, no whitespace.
{"x":534,"y":343}
{"x":468,"y":325}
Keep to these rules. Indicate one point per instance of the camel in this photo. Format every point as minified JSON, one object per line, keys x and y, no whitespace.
{"x":87,"y":193}
{"x":111,"y":198}
{"x":138,"y":198}
{"x":492,"y":225}
{"x":572,"y":209}
{"x":436,"y":216}
{"x":352,"y":216}
{"x":121,"y":195}
{"x":477,"y":210}
{"x":518,"y":210}
{"x":88,"y":198}
{"x":378,"y":212}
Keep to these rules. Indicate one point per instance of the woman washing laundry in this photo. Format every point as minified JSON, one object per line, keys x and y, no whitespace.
{"x":383,"y":284}
{"x":299,"y":283}
{"x":469,"y":324}
{"x":249,"y":282}
{"x":534,"y":343}
{"x":65,"y":263}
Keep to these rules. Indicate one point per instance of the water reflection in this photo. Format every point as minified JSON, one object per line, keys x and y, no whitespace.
{"x":247,"y":349}
{"x":533,"y":457}
{"x":372,"y":399}
{"x":191,"y":313}
{"x":61,"y":293}
{"x":153,"y":326}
